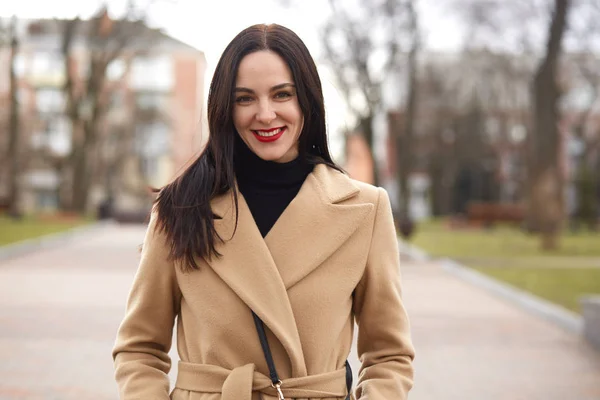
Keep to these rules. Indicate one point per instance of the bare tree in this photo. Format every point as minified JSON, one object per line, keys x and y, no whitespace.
{"x":14,"y":146}
{"x":123,"y":140}
{"x":495,"y":19}
{"x":438,"y":103}
{"x":107,"y":40}
{"x":546,"y":191}
{"x":361,"y":47}
{"x":404,"y":137}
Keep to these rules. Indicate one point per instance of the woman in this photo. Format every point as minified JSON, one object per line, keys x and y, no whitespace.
{"x":266,"y":252}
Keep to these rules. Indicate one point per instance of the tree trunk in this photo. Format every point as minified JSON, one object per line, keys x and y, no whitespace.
{"x":439,"y":165}
{"x":546,"y":205}
{"x":404,"y":148}
{"x":14,"y":189}
{"x":81,"y":180}
{"x":84,"y":165}
{"x":83,"y":157}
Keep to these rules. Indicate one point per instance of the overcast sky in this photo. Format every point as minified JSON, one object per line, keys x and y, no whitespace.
{"x":210,"y":24}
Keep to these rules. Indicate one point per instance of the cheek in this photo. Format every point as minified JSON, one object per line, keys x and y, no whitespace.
{"x":294,"y":115}
{"x":240,"y":118}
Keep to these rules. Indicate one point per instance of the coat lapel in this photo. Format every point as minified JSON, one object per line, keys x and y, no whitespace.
{"x":315,"y":224}
{"x":312,"y":227}
{"x":247,"y":267}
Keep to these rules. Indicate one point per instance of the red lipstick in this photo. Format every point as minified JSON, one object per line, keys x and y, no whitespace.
{"x":267,"y":139}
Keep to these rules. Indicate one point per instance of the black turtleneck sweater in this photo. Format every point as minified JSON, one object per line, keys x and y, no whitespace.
{"x":268,"y":187}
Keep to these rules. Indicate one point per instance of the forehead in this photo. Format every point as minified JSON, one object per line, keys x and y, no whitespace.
{"x":263,"y":69}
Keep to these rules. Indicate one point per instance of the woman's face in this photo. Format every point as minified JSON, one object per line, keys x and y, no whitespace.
{"x":266,"y":113}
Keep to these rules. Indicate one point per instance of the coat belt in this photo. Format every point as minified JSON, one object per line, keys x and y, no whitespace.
{"x":239,"y":383}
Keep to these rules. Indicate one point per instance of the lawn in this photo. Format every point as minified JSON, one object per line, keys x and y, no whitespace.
{"x":12,"y":231}
{"x":508,"y":254}
{"x":563,"y":286}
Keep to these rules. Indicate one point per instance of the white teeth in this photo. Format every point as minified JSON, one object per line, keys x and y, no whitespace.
{"x":268,"y":134}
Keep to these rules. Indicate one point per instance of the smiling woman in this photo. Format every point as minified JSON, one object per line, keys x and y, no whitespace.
{"x":266,"y":253}
{"x":267,"y":114}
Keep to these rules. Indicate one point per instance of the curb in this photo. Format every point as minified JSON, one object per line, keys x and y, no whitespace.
{"x":535,"y":305}
{"x":413,"y":252}
{"x":544,"y":309}
{"x":47,"y":241}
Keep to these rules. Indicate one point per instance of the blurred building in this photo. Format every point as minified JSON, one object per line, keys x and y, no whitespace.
{"x":359,"y":163}
{"x":152,"y":127}
{"x":473,"y":119}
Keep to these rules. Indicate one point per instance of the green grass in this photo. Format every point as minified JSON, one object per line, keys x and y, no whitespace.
{"x":563,"y":286}
{"x":12,"y":231}
{"x":508,"y":254}
{"x":502,"y":241}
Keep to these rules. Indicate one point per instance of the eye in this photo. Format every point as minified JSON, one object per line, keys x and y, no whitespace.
{"x":283,"y":95}
{"x":243,"y":99}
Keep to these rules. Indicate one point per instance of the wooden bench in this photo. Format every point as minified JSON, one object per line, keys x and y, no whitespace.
{"x":488,"y":214}
{"x":141,"y":216}
{"x":4,"y":206}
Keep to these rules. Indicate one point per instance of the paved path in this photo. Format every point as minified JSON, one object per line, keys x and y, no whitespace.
{"x":474,"y":346}
{"x":60,"y":308}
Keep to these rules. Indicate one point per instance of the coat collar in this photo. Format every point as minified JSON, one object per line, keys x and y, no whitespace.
{"x":332,"y":186}
{"x":260,"y":271}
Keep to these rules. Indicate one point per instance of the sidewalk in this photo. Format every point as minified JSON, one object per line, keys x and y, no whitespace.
{"x":60,"y":308}
{"x":472,"y":345}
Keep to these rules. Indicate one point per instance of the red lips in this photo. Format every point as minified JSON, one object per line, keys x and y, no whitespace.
{"x":266,"y":139}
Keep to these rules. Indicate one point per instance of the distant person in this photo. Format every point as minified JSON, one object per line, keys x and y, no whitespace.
{"x":266,"y":254}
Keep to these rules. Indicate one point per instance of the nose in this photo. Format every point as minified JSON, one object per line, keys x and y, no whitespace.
{"x":266,"y":113}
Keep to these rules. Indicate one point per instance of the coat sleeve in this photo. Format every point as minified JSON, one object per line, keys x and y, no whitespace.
{"x":384,"y":343}
{"x":143,"y":341}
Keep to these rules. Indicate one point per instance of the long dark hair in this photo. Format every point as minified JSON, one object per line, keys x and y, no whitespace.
{"x":183,"y":206}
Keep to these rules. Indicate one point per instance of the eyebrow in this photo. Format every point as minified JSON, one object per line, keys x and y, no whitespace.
{"x":274,"y":88}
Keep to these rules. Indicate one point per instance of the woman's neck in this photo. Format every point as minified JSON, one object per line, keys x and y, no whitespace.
{"x":253,"y":171}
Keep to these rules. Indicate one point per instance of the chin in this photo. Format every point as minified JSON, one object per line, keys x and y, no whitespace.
{"x":270,"y":156}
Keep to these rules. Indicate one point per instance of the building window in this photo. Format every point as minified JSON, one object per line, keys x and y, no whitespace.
{"x":20,"y":64}
{"x":47,"y":63}
{"x":115,"y":70}
{"x":54,"y":133}
{"x":151,"y":100}
{"x":151,"y":144}
{"x":152,"y":139}
{"x":518,"y":133}
{"x":149,"y":167}
{"x":152,"y":73}
{"x":50,"y":100}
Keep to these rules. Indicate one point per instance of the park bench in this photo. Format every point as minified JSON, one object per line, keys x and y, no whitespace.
{"x":4,"y":206}
{"x":487,"y":214}
{"x":141,"y":216}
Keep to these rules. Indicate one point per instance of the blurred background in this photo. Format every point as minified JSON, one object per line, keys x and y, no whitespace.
{"x":478,"y":110}
{"x":480,"y":118}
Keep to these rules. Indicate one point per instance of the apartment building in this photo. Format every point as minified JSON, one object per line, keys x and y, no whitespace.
{"x":151,"y":130}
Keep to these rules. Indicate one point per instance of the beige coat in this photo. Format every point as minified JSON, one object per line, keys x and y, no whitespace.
{"x":331,"y":256}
